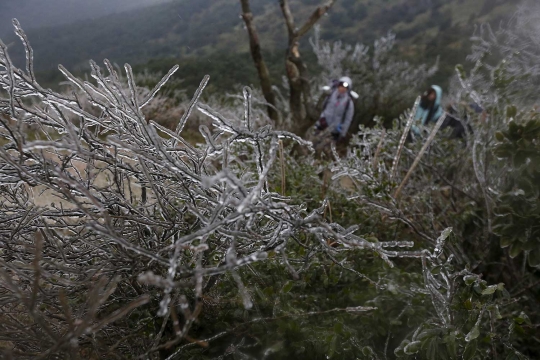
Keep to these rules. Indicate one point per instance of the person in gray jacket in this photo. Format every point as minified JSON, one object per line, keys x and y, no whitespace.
{"x":338,"y":110}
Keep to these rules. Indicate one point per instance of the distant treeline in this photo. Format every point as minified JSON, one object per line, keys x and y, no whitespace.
{"x":206,"y":37}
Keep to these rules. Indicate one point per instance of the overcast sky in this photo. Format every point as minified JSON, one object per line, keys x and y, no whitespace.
{"x":39,"y":13}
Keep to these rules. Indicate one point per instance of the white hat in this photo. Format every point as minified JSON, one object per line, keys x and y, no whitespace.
{"x":346,"y":79}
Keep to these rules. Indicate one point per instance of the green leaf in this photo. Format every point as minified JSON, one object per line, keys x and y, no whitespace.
{"x":522,"y":318}
{"x":473,"y":334}
{"x":496,"y":313}
{"x":504,"y":151}
{"x":470,"y":350}
{"x":436,"y":270}
{"x":412,"y":348}
{"x":511,"y":111}
{"x":368,"y":351}
{"x":450,"y":341}
{"x":513,"y":128}
{"x":515,"y":249}
{"x":532,"y":127}
{"x":534,"y":258}
{"x":332,"y":349}
{"x":467,"y":304}
{"x":372,"y":239}
{"x":506,"y":241}
{"x":287,"y":287}
{"x":499,"y":136}
{"x":433,"y":348}
{"x":428,"y":333}
{"x":260,"y":293}
{"x":269,"y":291}
{"x":274,"y":348}
{"x":399,"y":350}
{"x":489,"y":290}
{"x":469,"y":279}
{"x":338,"y":328}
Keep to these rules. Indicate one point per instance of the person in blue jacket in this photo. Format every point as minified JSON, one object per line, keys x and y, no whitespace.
{"x":430,"y":110}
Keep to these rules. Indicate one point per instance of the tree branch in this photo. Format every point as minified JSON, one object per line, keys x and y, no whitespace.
{"x":289,"y":19}
{"x":256,"y":54}
{"x":300,"y":100}
{"x":317,"y":14}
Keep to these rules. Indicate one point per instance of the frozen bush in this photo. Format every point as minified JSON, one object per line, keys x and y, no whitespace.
{"x":112,"y":219}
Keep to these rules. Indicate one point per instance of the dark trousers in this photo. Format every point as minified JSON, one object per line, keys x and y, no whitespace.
{"x":459,"y":131}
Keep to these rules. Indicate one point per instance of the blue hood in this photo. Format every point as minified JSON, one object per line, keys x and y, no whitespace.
{"x":422,"y":114}
{"x":438,"y":91}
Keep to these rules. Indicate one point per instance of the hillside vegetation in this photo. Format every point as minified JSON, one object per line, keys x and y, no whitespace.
{"x":197,"y":33}
{"x":121,"y":239}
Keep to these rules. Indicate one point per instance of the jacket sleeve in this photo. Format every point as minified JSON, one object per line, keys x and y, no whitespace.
{"x":348,"y":119}
{"x":419,"y":119}
{"x":420,"y":116}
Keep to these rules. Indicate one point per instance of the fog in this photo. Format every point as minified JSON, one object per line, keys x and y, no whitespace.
{"x":40,"y":13}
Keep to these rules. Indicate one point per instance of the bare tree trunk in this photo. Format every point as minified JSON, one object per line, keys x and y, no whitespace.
{"x":262,"y":70}
{"x":303,"y":110}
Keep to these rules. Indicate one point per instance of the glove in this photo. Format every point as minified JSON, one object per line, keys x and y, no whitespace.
{"x":336,"y":133}
{"x":321,"y":124}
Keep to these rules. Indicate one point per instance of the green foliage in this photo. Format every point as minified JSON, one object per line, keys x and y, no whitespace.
{"x":301,"y":303}
{"x":476,"y":321}
{"x":482,"y":318}
{"x":518,"y":211}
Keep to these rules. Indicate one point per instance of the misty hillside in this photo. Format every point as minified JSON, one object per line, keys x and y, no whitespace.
{"x":39,"y":13}
{"x":206,"y":29}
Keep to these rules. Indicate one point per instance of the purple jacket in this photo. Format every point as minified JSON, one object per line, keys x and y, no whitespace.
{"x":336,"y":105}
